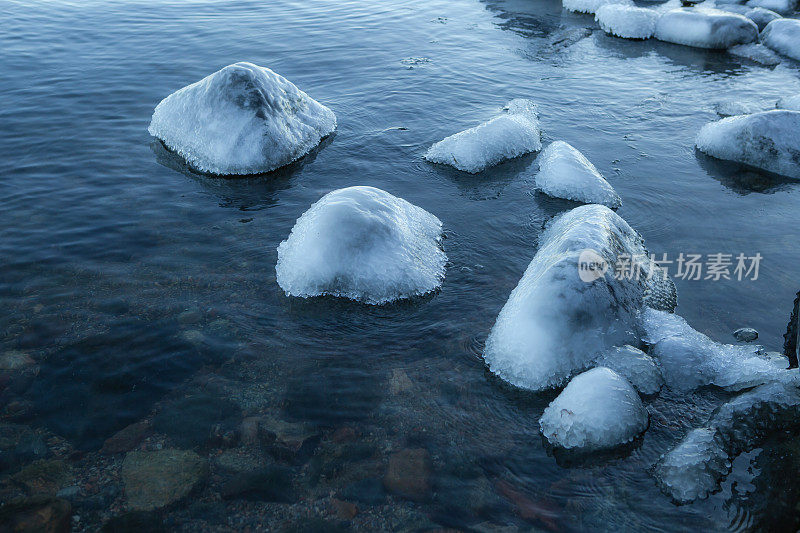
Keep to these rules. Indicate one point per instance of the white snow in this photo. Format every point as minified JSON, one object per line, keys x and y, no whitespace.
{"x":597,"y":409}
{"x":690,"y":360}
{"x":790,"y":102}
{"x":590,"y":6}
{"x":634,"y":365}
{"x":783,"y":36}
{"x":564,"y":172}
{"x":784,"y":7}
{"x":705,"y":28}
{"x":627,"y":21}
{"x":509,"y":135}
{"x":365,"y":244}
{"x":756,"y":52}
{"x":554,"y":323}
{"x":243,"y":119}
{"x":766,"y":140}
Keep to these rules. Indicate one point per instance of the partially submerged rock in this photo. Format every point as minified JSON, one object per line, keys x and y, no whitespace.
{"x":590,"y":6}
{"x":783,"y":36}
{"x":757,"y":53}
{"x":365,"y":244}
{"x":759,"y":15}
{"x":564,"y":172}
{"x":784,"y":7}
{"x":507,"y":136}
{"x":626,"y":21}
{"x":243,"y":119}
{"x":637,"y":367}
{"x":745,"y":334}
{"x":705,"y":28}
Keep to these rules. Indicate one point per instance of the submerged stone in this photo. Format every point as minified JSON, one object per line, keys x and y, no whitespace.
{"x":156,"y":479}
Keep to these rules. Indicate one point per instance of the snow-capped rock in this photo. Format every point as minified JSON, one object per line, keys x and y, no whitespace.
{"x":705,"y":28}
{"x":789,"y":102}
{"x":597,"y":409}
{"x":637,"y":367}
{"x":766,"y":140}
{"x":783,"y":36}
{"x":509,"y":135}
{"x":759,"y":15}
{"x":243,"y":119}
{"x":365,"y":244}
{"x":627,"y":21}
{"x":784,"y":7}
{"x":756,"y":52}
{"x":590,"y":6}
{"x":564,"y":172}
{"x":555,"y":323}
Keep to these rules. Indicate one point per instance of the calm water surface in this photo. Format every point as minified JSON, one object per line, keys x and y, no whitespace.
{"x":106,"y":238}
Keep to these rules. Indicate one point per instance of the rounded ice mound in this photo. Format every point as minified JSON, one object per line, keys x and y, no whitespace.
{"x":705,"y":28}
{"x":634,"y":365}
{"x":364,"y":244}
{"x":558,"y":319}
{"x":627,"y":21}
{"x":759,"y":15}
{"x":783,"y":36}
{"x":510,"y":135}
{"x":564,"y":172}
{"x":243,"y":119}
{"x":756,"y":52}
{"x":784,"y":7}
{"x":789,"y":102}
{"x":598,"y":409}
{"x":590,"y":6}
{"x":766,"y":140}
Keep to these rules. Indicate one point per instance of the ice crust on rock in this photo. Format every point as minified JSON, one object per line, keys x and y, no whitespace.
{"x":590,"y":6}
{"x":783,"y":7}
{"x":634,"y":365}
{"x":783,"y":36}
{"x":242,"y":119}
{"x":730,"y":108}
{"x":554,"y":324}
{"x":789,"y":102}
{"x":759,"y":15}
{"x":627,"y":21}
{"x":564,"y":172}
{"x":365,"y":244}
{"x":756,"y":52}
{"x":597,"y":409}
{"x":705,"y":28}
{"x":507,"y":136}
{"x":766,"y":140}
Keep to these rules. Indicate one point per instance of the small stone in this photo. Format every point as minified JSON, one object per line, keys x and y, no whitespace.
{"x":344,"y":510}
{"x":19,"y":444}
{"x":50,"y":515}
{"x":126,"y":439}
{"x":188,"y":421}
{"x":157,"y":479}
{"x":194,"y":336}
{"x":44,"y":477}
{"x":399,"y":383}
{"x":191,"y":316}
{"x":18,"y":410}
{"x":745,"y":334}
{"x":15,"y":360}
{"x":409,"y":474}
{"x":284,"y":440}
{"x":69,"y":493}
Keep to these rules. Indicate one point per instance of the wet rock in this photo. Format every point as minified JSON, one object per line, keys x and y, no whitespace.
{"x":50,"y":515}
{"x":344,"y":510}
{"x":409,"y":474}
{"x":745,"y":334}
{"x":18,"y":410}
{"x":271,"y":483}
{"x":188,"y":421}
{"x":159,"y":478}
{"x":344,"y":434}
{"x":531,"y":510}
{"x":190,"y":316}
{"x":127,"y":438}
{"x":44,"y":477}
{"x":368,"y":491}
{"x":15,"y":360}
{"x":399,"y":383}
{"x":283,"y":440}
{"x":69,"y":493}
{"x":791,"y":345}
{"x":19,"y":444}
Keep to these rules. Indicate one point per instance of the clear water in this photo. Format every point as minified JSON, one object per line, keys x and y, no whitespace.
{"x":105,"y":238}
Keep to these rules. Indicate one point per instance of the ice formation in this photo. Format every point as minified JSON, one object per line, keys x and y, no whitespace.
{"x":509,"y":135}
{"x":634,"y":365}
{"x":365,"y":244}
{"x":783,"y":36}
{"x":756,"y":52}
{"x":243,"y":119}
{"x":730,"y":108}
{"x":705,"y":28}
{"x":784,"y":7}
{"x":627,"y":21}
{"x":564,"y":172}
{"x":590,"y":6}
{"x":690,"y":360}
{"x":597,"y":409}
{"x":759,"y":15}
{"x":790,"y":102}
{"x":766,"y":140}
{"x":554,"y":323}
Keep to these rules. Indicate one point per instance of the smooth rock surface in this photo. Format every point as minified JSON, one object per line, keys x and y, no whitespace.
{"x":156,"y":479}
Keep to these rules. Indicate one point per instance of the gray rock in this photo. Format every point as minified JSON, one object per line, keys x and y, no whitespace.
{"x":159,"y":478}
{"x":745,"y":334}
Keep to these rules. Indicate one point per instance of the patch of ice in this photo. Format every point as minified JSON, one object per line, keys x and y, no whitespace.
{"x":564,"y":172}
{"x":784,"y":7}
{"x":243,"y":119}
{"x":627,"y":21}
{"x":634,"y":365}
{"x":705,"y":28}
{"x":766,"y":140}
{"x":510,"y":135}
{"x":590,"y":6}
{"x":783,"y":36}
{"x":789,"y":102}
{"x":759,"y":15}
{"x":365,"y":244}
{"x":597,"y":409}
{"x":693,"y":469}
{"x":730,"y":108}
{"x":756,"y":52}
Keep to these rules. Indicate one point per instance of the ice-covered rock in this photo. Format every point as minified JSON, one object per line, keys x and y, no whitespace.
{"x":637,"y":367}
{"x":759,"y":15}
{"x":730,"y":108}
{"x":564,"y":172}
{"x":243,"y":119}
{"x":365,"y":244}
{"x":756,"y":52}
{"x":766,"y":140}
{"x":590,"y":6}
{"x":789,"y":102}
{"x":745,"y":334}
{"x":784,"y":7}
{"x":555,"y":323}
{"x":627,"y":21}
{"x":783,"y":36}
{"x":509,"y":135}
{"x":597,"y":409}
{"x":690,"y":360}
{"x":705,"y":28}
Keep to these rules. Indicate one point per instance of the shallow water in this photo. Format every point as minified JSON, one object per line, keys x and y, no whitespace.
{"x":106,"y":238}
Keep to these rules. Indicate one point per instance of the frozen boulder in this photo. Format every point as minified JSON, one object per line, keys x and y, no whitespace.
{"x":507,"y":136}
{"x":627,"y":21}
{"x":730,"y":108}
{"x":637,"y":367}
{"x":759,"y":15}
{"x":564,"y":172}
{"x":783,"y":36}
{"x":562,"y":315}
{"x":757,"y":53}
{"x":590,"y":6}
{"x":597,"y":409}
{"x":705,"y":28}
{"x":789,"y":102}
{"x":784,"y":7}
{"x":365,"y":244}
{"x":766,"y":140}
{"x":243,"y":119}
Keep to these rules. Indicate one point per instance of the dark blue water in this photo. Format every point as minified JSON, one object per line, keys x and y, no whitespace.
{"x":106,"y":238}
